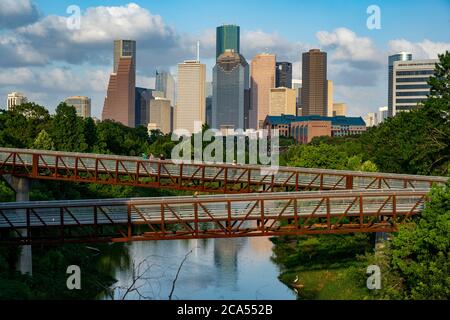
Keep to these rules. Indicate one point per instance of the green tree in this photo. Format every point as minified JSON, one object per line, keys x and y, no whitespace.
{"x":43,"y":141}
{"x":67,"y":130}
{"x":316,"y":156}
{"x":90,"y":132}
{"x":30,"y":118}
{"x":420,"y":252}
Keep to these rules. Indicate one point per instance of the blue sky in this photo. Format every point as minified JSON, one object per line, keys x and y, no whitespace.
{"x":295,"y":19}
{"x":51,"y":62}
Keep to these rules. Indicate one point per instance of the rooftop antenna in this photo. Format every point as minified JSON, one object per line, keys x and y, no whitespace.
{"x":198,"y":51}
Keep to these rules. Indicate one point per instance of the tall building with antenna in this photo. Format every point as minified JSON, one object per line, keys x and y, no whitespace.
{"x":191,"y":100}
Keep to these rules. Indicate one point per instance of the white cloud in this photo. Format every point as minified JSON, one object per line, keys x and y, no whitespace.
{"x":421,"y":50}
{"x":347,"y":46}
{"x":14,"y":13}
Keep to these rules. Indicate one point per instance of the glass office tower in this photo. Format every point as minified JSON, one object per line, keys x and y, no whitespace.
{"x":402,"y":56}
{"x":227,"y":38}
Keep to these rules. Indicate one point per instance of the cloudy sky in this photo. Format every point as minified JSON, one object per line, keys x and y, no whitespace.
{"x":47,"y":60}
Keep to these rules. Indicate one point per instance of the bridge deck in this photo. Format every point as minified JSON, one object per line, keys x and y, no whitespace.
{"x":214,"y":216}
{"x":215,"y":178}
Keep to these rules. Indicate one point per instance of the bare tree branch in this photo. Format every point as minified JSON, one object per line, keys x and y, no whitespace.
{"x":178,"y":273}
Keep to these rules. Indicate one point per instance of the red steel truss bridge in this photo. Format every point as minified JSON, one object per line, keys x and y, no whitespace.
{"x":353,"y":201}
{"x":214,"y":216}
{"x":202,"y":177}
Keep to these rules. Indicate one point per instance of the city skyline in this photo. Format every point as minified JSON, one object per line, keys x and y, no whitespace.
{"x":357,"y":56}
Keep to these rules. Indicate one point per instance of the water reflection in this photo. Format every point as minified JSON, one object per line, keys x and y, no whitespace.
{"x":238,"y":268}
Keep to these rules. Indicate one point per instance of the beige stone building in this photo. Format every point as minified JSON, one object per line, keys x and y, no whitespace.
{"x":160,"y":114}
{"x":282,"y":101}
{"x":191,"y":101}
{"x":339,"y":109}
{"x":81,"y":104}
{"x":330,"y":98}
{"x":262,"y":79}
{"x":15,"y":99}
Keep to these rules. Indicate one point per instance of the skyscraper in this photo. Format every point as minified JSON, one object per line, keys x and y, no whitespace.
{"x":166,"y":83}
{"x":119,"y":103}
{"x":410,"y":83}
{"x":82,"y":105}
{"x":230,"y":102}
{"x":15,"y":99}
{"x":262,"y":79}
{"x":143,"y":97}
{"x":191,"y":95}
{"x":314,"y":83}
{"x":283,"y":75}
{"x":227,"y":37}
{"x":402,"y":56}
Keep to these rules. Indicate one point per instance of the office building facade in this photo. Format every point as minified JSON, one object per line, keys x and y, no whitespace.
{"x":262,"y":79}
{"x":339,"y":109}
{"x":314,"y":83}
{"x":410,"y":85}
{"x":143,"y":97}
{"x":227,"y":38}
{"x":119,"y":103}
{"x":340,"y":126}
{"x":383,"y":114}
{"x":15,"y":99}
{"x":330,"y":98}
{"x":165,"y":83}
{"x":297,"y":85}
{"x":190,"y":95}
{"x":371,"y":119}
{"x":282,"y":101}
{"x":160,"y":114}
{"x":283,"y":75}
{"x":402,"y":56}
{"x":81,"y":104}
{"x":230,"y":102}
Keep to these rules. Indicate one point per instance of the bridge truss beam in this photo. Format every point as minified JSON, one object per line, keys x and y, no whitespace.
{"x":220,"y":216}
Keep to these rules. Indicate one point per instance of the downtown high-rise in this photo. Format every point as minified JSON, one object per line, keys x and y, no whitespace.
{"x":191,"y":101}
{"x":410,"y":84}
{"x":402,"y":56}
{"x":120,"y":101}
{"x":166,"y":83}
{"x":227,"y":38}
{"x":314,"y":83}
{"x":262,"y":79}
{"x":230,"y":103}
{"x":283,"y":75}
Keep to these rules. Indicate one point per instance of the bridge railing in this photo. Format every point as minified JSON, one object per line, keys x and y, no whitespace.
{"x":219,"y":178}
{"x":243,"y":215}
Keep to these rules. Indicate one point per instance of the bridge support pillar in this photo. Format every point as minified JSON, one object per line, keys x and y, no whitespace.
{"x":21,"y":186}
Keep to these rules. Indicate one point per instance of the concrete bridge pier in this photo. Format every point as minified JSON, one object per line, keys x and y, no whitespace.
{"x":21,"y":186}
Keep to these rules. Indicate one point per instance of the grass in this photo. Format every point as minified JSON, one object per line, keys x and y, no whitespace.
{"x":327,"y":284}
